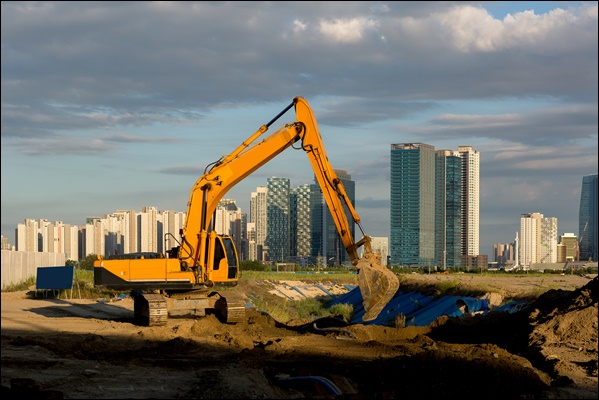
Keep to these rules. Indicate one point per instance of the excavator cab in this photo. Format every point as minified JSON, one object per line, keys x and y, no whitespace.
{"x":221,"y":263}
{"x":223,"y":259}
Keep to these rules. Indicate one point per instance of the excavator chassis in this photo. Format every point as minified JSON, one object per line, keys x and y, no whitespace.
{"x":153,"y":309}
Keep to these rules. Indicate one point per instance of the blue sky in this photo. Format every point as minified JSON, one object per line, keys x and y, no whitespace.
{"x":121,"y":105}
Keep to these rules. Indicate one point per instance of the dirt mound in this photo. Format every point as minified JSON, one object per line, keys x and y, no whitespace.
{"x":557,"y":333}
{"x":51,"y":349}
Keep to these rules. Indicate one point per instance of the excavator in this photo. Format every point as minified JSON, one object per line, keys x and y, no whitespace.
{"x":186,"y":278}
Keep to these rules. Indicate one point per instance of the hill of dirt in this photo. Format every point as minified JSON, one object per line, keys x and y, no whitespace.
{"x":71,"y":348}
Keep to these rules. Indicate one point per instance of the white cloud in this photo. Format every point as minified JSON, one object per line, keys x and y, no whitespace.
{"x":347,"y":30}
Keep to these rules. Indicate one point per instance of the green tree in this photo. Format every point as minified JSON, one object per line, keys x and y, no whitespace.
{"x":88,"y":262}
{"x":253,"y":265}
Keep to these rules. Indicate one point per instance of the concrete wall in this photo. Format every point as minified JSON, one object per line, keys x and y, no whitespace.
{"x":17,"y":266}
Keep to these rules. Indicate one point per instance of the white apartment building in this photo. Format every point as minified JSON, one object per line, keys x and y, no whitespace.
{"x":471,"y":200}
{"x":45,"y":236}
{"x":381,"y":245}
{"x":258,"y":217}
{"x":538,"y":239}
{"x":228,"y":221}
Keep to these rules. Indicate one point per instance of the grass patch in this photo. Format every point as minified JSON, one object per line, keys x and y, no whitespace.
{"x":311,"y":276}
{"x":23,"y":285}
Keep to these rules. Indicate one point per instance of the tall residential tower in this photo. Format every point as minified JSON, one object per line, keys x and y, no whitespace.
{"x":412,"y":210}
{"x":470,"y":200}
{"x":587,"y":219}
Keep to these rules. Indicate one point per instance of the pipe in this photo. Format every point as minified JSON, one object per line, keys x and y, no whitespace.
{"x":327,"y":383}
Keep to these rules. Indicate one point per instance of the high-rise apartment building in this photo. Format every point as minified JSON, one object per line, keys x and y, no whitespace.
{"x":548,"y":245}
{"x":94,"y":237}
{"x":317,"y":242}
{"x":120,"y":231}
{"x":27,"y":236}
{"x":412,"y":205}
{"x":448,"y":220}
{"x":530,"y":227}
{"x":538,"y":239}
{"x":334,"y":250}
{"x":587,"y":219}
{"x":252,"y":249}
{"x":470,"y":200}
{"x":300,"y":228}
{"x":277,"y":219}
{"x":258,"y":217}
{"x":243,"y":250}
{"x":148,"y":229}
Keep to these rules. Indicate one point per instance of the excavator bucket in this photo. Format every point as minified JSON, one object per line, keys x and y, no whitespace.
{"x":377,"y":283}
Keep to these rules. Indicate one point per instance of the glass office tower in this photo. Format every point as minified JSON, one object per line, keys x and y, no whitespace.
{"x":587,"y":219}
{"x":412,"y":205}
{"x":277,"y":219}
{"x":448,"y":232}
{"x":331,"y":248}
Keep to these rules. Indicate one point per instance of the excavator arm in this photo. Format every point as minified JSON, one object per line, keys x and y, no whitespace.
{"x":377,"y":283}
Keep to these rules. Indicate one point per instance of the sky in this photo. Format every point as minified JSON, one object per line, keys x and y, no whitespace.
{"x":120,"y":105}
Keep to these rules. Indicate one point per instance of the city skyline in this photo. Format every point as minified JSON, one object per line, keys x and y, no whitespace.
{"x":150,"y":229}
{"x":99,"y":114}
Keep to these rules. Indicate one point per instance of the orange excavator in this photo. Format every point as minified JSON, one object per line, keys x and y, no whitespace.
{"x":187,"y":276}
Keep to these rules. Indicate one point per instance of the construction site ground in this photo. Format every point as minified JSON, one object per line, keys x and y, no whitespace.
{"x":73,"y":348}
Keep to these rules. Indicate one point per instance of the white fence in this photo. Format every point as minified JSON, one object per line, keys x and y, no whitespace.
{"x":18,"y":266}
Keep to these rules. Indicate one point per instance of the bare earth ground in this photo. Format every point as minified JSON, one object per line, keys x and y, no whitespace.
{"x":84,"y":349}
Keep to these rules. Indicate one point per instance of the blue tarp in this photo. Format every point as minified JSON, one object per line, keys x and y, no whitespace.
{"x":418,"y":309}
{"x":512,"y":307}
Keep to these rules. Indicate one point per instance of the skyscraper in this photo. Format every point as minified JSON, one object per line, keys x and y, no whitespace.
{"x":448,"y":223}
{"x":470,"y":200}
{"x":300,"y":231}
{"x":335,"y":250}
{"x":412,"y":209}
{"x":587,"y":219}
{"x":258,"y":227}
{"x":538,"y":239}
{"x":316,"y":224}
{"x":530,"y":227}
{"x":278,"y":218}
